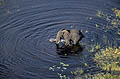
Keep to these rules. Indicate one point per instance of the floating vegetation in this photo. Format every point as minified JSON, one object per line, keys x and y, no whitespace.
{"x":113,"y":20}
{"x":97,"y":25}
{"x":116,"y":11}
{"x":100,"y":76}
{"x":63,"y":64}
{"x":78,"y":71}
{"x":115,"y":23}
{"x":62,"y":76}
{"x":100,"y":14}
{"x":85,"y":64}
{"x":93,"y":47}
{"x":108,"y":59}
{"x":52,"y":68}
{"x":62,"y":67}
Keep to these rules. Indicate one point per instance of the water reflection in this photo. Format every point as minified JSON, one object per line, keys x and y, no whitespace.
{"x":69,"y":50}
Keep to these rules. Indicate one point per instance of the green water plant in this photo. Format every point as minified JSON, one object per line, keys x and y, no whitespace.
{"x":116,"y":11}
{"x":61,"y":67}
{"x":102,"y":76}
{"x":108,"y":59}
{"x":112,"y":19}
{"x":78,"y":71}
{"x":93,"y":47}
{"x":100,"y":14}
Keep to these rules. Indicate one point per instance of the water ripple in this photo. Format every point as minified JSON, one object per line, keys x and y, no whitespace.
{"x":25,"y":34}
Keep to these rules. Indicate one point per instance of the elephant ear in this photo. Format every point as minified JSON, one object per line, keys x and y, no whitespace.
{"x":80,"y":33}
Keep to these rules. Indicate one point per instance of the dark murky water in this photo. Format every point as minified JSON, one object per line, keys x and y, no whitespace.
{"x":27,"y":25}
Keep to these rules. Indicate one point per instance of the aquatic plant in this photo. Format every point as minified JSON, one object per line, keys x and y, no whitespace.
{"x":93,"y":47}
{"x":100,"y":14}
{"x":61,"y":67}
{"x":115,"y":23}
{"x":116,"y":11}
{"x":108,"y":59}
{"x":112,"y":19}
{"x":102,"y":76}
{"x":78,"y":71}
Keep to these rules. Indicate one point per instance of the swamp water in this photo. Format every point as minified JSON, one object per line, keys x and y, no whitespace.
{"x":27,"y":25}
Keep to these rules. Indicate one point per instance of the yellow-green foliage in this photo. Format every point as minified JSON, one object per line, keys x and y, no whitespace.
{"x":93,"y":47}
{"x":105,"y":76}
{"x":99,"y":76}
{"x":115,"y":22}
{"x":61,"y":67}
{"x":78,"y":71}
{"x":108,"y":59}
{"x":117,"y":12}
{"x":100,"y":14}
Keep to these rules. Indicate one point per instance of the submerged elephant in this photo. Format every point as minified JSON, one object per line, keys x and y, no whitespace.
{"x":66,"y":37}
{"x":63,"y":34}
{"x":75,"y":36}
{"x":70,"y":36}
{"x":59,"y":36}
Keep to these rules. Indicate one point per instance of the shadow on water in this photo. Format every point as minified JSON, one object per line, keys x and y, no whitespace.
{"x":69,"y":50}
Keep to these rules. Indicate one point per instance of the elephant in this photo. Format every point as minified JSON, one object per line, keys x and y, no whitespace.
{"x":66,"y":37}
{"x":59,"y":36}
{"x":75,"y":36}
{"x":63,"y":34}
{"x":72,"y":36}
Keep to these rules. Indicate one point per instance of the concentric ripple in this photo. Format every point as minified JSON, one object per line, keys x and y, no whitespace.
{"x":26,"y":53}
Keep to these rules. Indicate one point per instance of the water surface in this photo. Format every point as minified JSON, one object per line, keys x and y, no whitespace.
{"x":27,"y":25}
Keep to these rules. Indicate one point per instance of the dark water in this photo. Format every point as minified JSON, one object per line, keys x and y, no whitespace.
{"x":27,"y":25}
